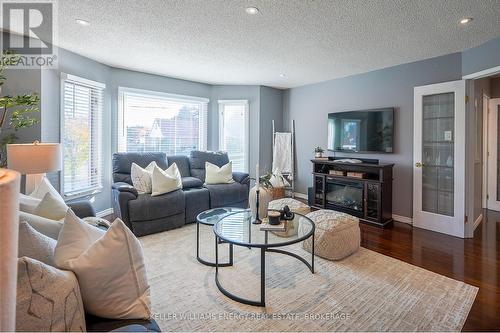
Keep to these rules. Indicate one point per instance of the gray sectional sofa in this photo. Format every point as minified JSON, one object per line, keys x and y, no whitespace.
{"x":145,"y":214}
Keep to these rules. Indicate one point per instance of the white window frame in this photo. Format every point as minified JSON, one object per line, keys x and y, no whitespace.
{"x":120,"y":133}
{"x":224,"y":102}
{"x":96,"y":85}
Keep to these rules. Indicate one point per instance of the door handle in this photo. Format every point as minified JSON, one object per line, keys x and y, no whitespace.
{"x":419,"y":165}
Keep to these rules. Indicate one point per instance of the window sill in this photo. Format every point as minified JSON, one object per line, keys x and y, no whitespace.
{"x":82,"y":194}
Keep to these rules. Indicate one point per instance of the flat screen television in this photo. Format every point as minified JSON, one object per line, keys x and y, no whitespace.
{"x":364,"y":131}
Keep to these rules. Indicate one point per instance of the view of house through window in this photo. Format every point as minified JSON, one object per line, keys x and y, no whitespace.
{"x":158,"y":122}
{"x":81,"y":109}
{"x":233,"y":132}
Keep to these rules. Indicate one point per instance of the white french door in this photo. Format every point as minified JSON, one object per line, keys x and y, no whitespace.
{"x":439,"y":157}
{"x":493,"y":197}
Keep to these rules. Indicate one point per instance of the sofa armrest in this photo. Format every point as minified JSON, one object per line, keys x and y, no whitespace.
{"x":241,"y":177}
{"x":82,"y":208}
{"x":122,"y":194}
{"x":125,"y":187}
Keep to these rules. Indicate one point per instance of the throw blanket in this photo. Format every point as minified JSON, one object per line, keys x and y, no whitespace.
{"x":282,"y":153}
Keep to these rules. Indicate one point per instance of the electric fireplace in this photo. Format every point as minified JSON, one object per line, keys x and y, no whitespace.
{"x":345,"y":194}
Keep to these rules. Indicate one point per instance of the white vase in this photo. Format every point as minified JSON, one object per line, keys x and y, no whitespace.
{"x":265,"y":196}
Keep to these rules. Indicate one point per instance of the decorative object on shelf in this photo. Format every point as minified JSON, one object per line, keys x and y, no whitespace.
{"x":34,"y":160}
{"x":360,"y":175}
{"x":15,"y":111}
{"x":9,"y":211}
{"x":318,"y":152}
{"x":337,"y":173}
{"x":274,"y":217}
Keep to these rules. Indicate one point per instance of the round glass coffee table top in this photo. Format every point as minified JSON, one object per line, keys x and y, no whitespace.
{"x":211,"y":216}
{"x":237,"y":228}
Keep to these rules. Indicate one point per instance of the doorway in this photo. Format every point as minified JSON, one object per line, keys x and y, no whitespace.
{"x":491,"y":181}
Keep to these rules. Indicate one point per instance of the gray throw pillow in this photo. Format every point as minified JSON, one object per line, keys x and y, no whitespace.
{"x":48,"y":299}
{"x":35,"y":245}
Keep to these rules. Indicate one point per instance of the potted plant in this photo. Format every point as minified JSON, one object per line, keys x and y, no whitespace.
{"x":318,"y":152}
{"x":15,"y":111}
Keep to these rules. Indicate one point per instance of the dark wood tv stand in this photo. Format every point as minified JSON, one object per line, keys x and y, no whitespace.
{"x":368,"y":198}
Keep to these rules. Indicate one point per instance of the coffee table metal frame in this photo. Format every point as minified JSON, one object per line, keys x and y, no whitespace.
{"x":263,"y":249}
{"x":201,"y":221}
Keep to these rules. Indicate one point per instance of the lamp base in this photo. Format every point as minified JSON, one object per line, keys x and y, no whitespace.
{"x":32,"y":181}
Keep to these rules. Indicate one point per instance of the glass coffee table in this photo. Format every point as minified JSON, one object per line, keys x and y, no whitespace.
{"x":209,"y":218}
{"x":236,"y":228}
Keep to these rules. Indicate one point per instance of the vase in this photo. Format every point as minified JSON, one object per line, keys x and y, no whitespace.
{"x":318,"y":155}
{"x":265,"y":196}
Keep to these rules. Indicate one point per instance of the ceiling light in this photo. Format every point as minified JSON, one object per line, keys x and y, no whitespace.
{"x":283,"y":75}
{"x":252,"y":10}
{"x":82,"y":22}
{"x":465,"y":20}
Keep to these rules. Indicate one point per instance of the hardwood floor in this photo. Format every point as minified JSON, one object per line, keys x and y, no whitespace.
{"x":475,"y":261}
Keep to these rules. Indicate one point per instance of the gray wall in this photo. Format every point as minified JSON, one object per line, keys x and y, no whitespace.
{"x":271,"y":108}
{"x":484,"y":56}
{"x":391,"y":87}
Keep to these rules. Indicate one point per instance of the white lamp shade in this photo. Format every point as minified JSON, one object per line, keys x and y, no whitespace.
{"x":34,"y":158}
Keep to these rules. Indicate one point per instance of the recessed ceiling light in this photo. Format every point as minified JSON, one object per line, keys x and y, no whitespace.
{"x":283,"y":75}
{"x":252,"y":10}
{"x":82,"y":22}
{"x":466,"y":20}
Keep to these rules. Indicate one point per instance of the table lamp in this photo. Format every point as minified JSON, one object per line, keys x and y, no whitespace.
{"x":9,"y":226}
{"x":34,"y":160}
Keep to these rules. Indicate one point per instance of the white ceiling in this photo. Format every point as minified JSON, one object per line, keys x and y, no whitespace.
{"x":215,"y":41}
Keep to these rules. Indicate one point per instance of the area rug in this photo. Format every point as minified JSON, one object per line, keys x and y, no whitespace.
{"x":367,"y":291}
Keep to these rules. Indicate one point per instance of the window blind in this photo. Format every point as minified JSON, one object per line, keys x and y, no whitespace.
{"x":159,"y":122}
{"x":234,"y":132}
{"x":81,"y":127}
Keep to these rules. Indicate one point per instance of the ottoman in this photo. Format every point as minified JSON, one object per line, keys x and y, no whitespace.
{"x":337,"y":234}
{"x":296,"y":207}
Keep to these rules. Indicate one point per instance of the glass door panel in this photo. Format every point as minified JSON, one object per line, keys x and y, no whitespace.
{"x":437,"y":153}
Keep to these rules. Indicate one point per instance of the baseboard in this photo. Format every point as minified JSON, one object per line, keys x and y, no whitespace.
{"x":478,"y":221}
{"x":402,"y":219}
{"x":104,"y":213}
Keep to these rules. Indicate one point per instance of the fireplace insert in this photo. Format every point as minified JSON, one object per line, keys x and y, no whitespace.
{"x":345,"y":195}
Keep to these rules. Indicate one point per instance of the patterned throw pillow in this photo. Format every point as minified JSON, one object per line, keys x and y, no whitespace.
{"x":48,"y":299}
{"x":141,"y":178}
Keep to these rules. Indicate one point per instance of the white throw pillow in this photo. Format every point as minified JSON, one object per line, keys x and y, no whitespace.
{"x":43,"y":188}
{"x":49,"y":228}
{"x":51,"y":207}
{"x":141,"y":177}
{"x":109,"y":266}
{"x":165,"y":181}
{"x":35,"y":245}
{"x":28,"y":204}
{"x":216,"y":175}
